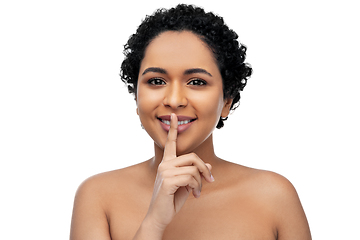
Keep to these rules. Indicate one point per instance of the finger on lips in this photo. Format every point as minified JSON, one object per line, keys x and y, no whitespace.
{"x":170,"y":145}
{"x":186,"y":170}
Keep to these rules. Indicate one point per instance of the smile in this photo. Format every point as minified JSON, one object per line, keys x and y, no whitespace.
{"x":184,"y":122}
{"x":179,"y":122}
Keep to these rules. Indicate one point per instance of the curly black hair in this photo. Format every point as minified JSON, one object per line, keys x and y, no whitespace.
{"x":210,"y":28}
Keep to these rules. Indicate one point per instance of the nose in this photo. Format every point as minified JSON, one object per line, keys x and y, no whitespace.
{"x":175,"y":96}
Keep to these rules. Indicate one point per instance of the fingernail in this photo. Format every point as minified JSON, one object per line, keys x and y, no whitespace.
{"x":198,"y":194}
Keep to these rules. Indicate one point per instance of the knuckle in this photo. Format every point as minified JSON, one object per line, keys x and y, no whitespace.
{"x":161,"y":167}
{"x":165,"y":174}
{"x":196,"y":158}
{"x":189,"y":178}
{"x":194,"y":171}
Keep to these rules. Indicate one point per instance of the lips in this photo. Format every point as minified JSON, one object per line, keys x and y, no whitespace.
{"x":184,"y":122}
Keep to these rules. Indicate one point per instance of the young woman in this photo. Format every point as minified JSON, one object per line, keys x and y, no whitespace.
{"x":186,"y":69}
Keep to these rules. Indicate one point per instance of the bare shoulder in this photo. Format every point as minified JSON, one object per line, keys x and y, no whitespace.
{"x":103,"y":182}
{"x":100,"y":183}
{"x":272,"y":184}
{"x":90,"y":218}
{"x":262,"y":184}
{"x":260,"y":180}
{"x":278,"y":196}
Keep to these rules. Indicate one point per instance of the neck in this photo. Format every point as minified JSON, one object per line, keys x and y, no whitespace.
{"x":204,"y":151}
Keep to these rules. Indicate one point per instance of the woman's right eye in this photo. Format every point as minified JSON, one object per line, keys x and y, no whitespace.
{"x":156,"y":81}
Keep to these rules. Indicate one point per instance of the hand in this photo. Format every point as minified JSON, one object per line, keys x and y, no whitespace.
{"x":176,"y":178}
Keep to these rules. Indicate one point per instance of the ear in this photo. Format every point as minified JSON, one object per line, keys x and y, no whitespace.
{"x":137,"y":110}
{"x":226,"y":109}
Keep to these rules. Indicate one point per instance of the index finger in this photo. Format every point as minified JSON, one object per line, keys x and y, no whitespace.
{"x":170,"y":145}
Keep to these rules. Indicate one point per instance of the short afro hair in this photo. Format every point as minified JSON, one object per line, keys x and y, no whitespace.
{"x":210,"y":28}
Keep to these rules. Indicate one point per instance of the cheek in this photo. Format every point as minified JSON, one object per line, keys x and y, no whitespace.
{"x":147,"y":104}
{"x":147,"y":101}
{"x":210,"y":104}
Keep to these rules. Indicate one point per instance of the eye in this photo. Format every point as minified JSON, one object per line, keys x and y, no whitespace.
{"x":156,"y":81}
{"x":197,"y":82}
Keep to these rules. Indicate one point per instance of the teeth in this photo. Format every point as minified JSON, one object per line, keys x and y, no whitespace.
{"x":183,"y":122}
{"x":179,"y":122}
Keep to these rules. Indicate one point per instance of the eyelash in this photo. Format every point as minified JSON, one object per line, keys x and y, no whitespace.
{"x":200,"y":81}
{"x":153,"y":80}
{"x":158,"y":80}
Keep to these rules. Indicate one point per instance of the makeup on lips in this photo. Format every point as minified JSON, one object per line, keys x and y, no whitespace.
{"x":184,"y":122}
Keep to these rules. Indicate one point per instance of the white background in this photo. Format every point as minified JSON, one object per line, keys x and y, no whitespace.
{"x":65,"y":114}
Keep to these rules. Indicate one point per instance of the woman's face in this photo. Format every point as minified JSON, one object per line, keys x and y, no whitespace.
{"x":179,"y":75}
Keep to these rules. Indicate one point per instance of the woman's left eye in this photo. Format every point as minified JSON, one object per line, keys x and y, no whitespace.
{"x":197,"y":82}
{"x":156,"y":81}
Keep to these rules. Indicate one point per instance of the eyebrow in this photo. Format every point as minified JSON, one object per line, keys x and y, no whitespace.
{"x":196,"y":70}
{"x":186,"y":72}
{"x":155,"y":69}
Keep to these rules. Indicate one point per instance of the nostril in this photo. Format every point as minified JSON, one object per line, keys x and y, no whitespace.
{"x":175,"y":102}
{"x":175,"y":95}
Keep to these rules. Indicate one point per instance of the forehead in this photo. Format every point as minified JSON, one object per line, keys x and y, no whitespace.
{"x":179,"y":50}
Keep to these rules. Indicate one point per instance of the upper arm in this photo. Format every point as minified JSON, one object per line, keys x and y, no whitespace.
{"x":290,"y":217}
{"x":89,"y":219}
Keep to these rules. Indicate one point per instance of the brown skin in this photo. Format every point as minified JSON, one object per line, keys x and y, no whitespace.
{"x":159,"y":198}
